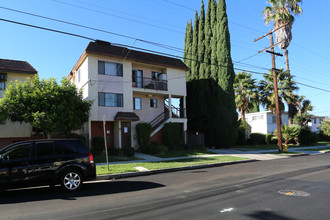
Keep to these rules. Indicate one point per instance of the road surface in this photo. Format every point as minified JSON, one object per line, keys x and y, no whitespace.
{"x":291,"y":188}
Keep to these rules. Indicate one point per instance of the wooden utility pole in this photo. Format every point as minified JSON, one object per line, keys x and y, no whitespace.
{"x":277,"y":109}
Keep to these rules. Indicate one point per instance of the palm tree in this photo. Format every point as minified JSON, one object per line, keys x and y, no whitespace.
{"x":281,"y":12}
{"x":266,"y":90}
{"x":288,"y":133}
{"x":245,"y":92}
{"x":303,"y":117}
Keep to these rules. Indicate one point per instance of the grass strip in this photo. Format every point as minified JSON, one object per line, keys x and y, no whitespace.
{"x":124,"y":168}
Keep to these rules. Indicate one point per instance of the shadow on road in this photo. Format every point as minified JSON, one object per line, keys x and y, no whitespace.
{"x":88,"y":189}
{"x":265,"y":215}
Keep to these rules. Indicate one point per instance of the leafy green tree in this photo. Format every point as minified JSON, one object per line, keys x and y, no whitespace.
{"x":245,"y":92}
{"x":45,"y":104}
{"x":325,"y":127}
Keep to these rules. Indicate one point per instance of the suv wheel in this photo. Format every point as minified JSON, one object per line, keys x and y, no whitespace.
{"x":71,"y":180}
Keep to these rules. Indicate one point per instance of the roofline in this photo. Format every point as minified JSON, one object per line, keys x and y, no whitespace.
{"x":82,"y":57}
{"x":18,"y":71}
{"x":138,"y":60}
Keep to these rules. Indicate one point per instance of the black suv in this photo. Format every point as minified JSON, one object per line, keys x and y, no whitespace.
{"x":66,"y":162}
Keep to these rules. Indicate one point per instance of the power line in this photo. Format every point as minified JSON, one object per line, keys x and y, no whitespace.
{"x":156,"y":52}
{"x":92,"y":28}
{"x":121,"y":17}
{"x":47,"y":29}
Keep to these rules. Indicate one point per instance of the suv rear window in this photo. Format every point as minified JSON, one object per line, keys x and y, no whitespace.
{"x":70,"y":147}
{"x":44,"y":149}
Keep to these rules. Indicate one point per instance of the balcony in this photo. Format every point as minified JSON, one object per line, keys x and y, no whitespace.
{"x":149,"y":83}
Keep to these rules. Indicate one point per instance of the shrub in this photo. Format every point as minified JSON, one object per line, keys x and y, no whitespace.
{"x":199,"y":148}
{"x":113,"y":151}
{"x":97,"y":145}
{"x":307,"y":137}
{"x":171,"y":135}
{"x":241,"y":139}
{"x":143,"y":131}
{"x":269,"y":138}
{"x":156,"y":149}
{"x":128,"y":151}
{"x":257,"y":138}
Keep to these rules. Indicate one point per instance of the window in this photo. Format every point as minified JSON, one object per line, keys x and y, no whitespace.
{"x":111,"y":69}
{"x":274,"y":119}
{"x":110,"y":99}
{"x":137,"y":103}
{"x":137,"y":78}
{"x":314,"y":120}
{"x":3,"y":79}
{"x":2,"y":85}
{"x":79,"y":76}
{"x":17,"y":152}
{"x":258,"y":117}
{"x":45,"y":149}
{"x":155,"y":75}
{"x":153,"y":103}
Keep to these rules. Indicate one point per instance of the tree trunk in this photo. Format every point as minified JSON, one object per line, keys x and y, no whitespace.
{"x":290,"y":106}
{"x":243,"y":115}
{"x":286,"y":54}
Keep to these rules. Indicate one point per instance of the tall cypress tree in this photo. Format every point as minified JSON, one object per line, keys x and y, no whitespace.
{"x":226,"y":76}
{"x":210,"y":94}
{"x":187,"y":54}
{"x":201,"y":42}
{"x":194,"y":62}
{"x":213,"y":41}
{"x":208,"y":35}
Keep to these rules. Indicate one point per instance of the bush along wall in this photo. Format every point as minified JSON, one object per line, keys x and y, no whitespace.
{"x":143,"y":131}
{"x":171,"y":135}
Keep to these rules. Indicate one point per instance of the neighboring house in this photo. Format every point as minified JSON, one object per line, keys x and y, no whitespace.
{"x":315,"y":122}
{"x":12,"y":70}
{"x":264,"y":122}
{"x":128,"y":87}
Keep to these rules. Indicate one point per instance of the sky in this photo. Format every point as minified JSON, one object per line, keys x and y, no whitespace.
{"x":133,"y":22}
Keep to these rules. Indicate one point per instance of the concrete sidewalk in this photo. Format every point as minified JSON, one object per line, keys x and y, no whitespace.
{"x":252,"y":154}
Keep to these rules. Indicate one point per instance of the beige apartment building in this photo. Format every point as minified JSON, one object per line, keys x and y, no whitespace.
{"x":12,"y":70}
{"x":127,"y":87}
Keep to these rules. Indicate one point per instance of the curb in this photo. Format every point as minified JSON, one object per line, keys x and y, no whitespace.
{"x":168,"y":170}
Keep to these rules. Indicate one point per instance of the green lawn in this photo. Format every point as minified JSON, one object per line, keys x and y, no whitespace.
{"x":123,"y":168}
{"x":318,"y":149}
{"x":323,"y":143}
{"x":102,"y":159}
{"x":184,"y":153}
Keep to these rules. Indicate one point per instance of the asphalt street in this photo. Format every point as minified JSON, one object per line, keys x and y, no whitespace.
{"x":290,"y":188}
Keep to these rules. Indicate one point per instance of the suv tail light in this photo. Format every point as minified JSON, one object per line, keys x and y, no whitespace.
{"x":91,"y":158}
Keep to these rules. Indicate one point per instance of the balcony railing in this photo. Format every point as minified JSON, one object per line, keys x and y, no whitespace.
{"x":148,"y":83}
